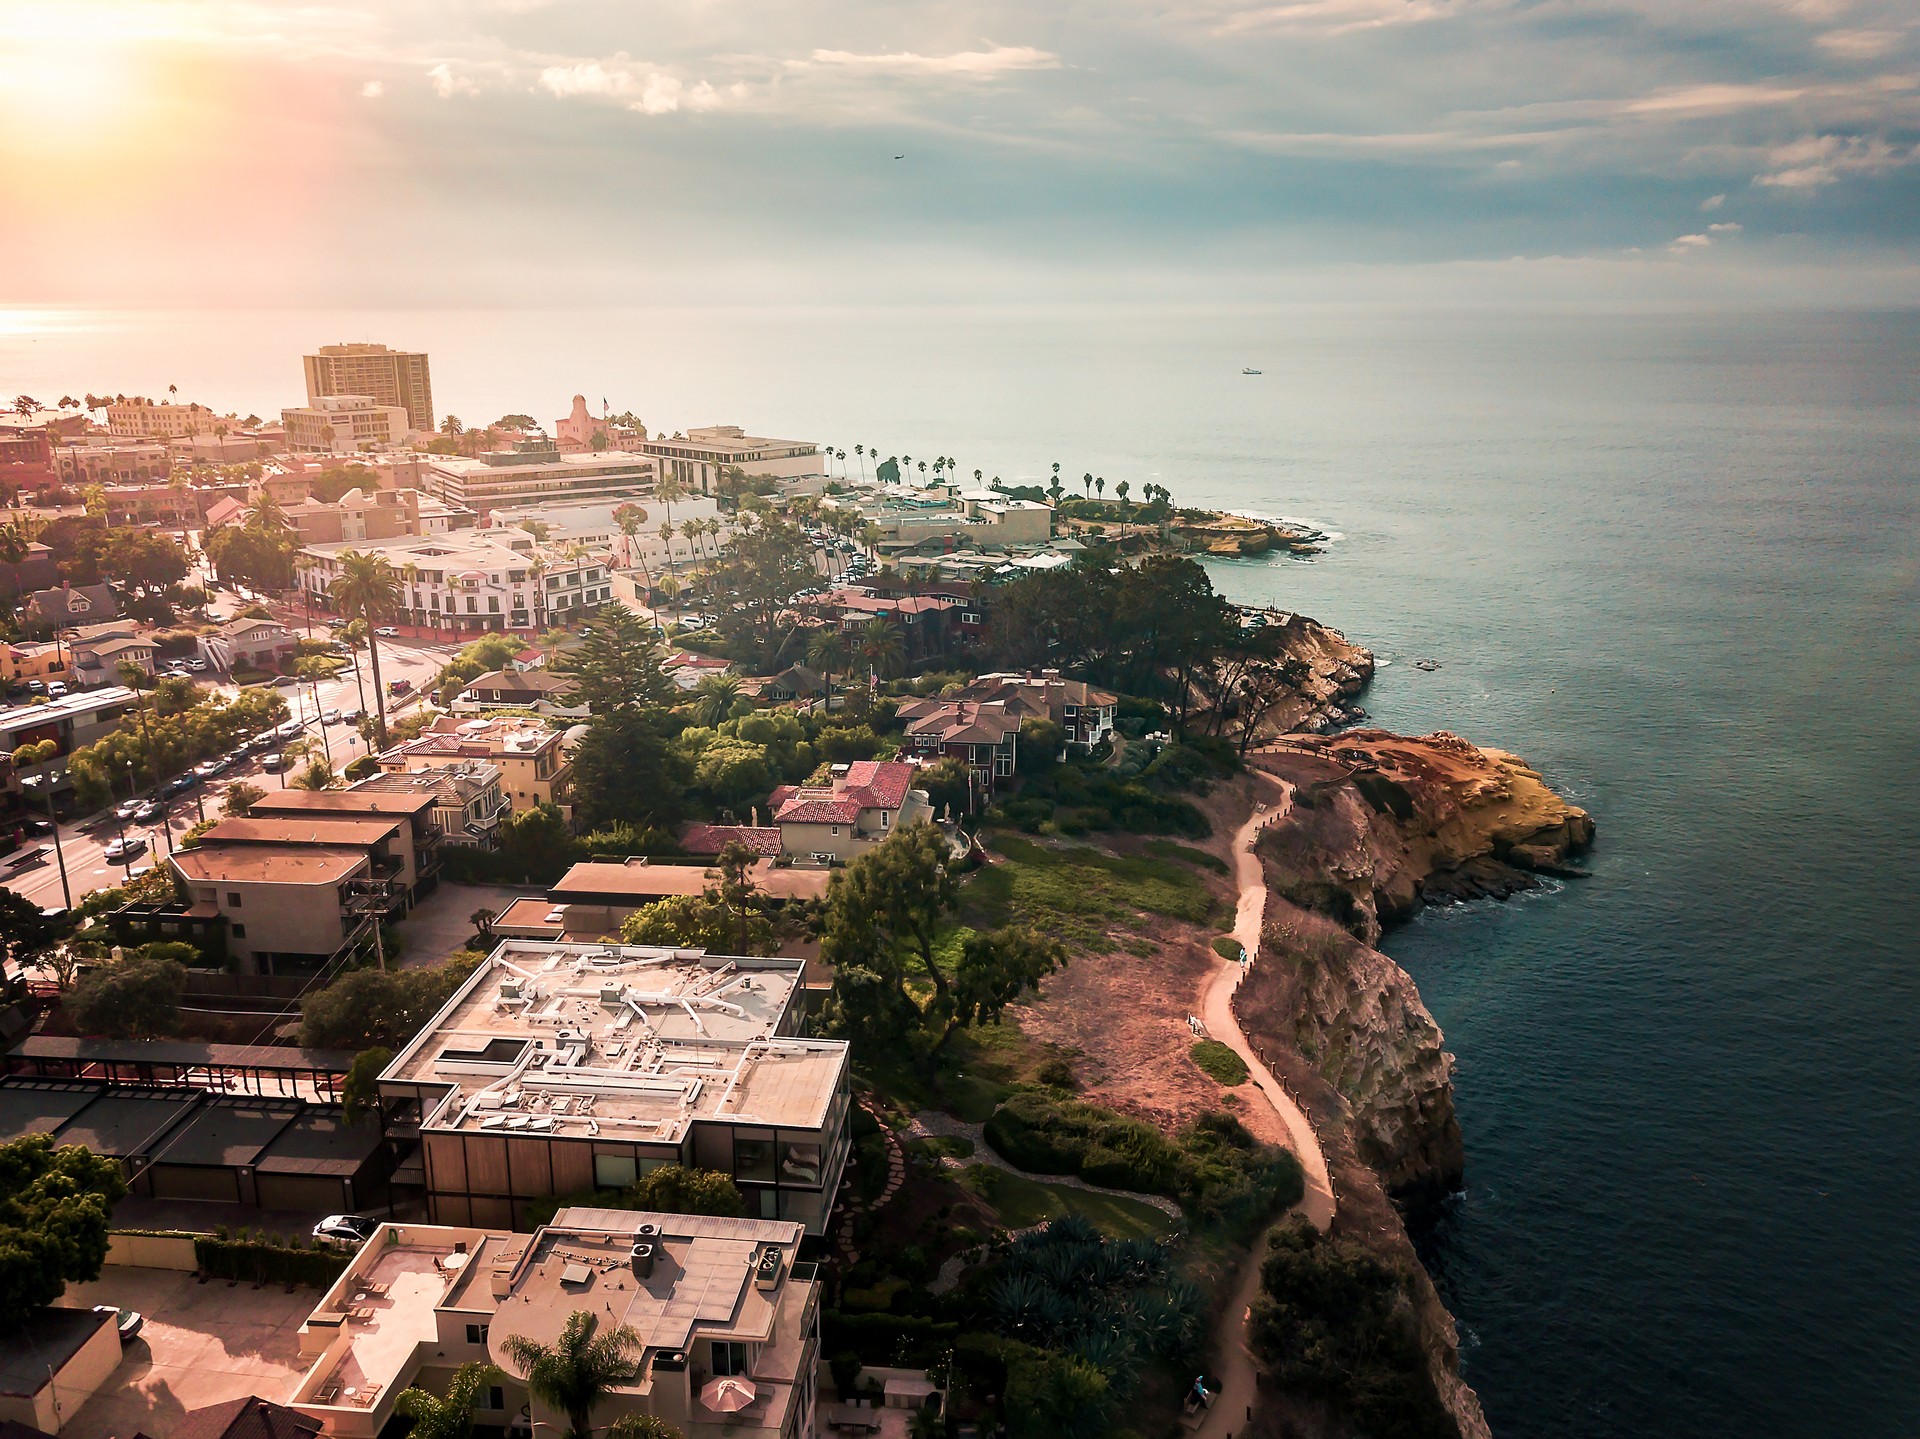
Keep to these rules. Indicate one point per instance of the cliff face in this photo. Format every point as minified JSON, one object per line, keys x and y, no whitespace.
{"x":1335,"y":671}
{"x":1372,"y":826}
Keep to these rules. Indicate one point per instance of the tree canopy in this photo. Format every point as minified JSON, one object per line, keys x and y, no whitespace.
{"x":578,"y":1370}
{"x":55,"y":1205}
{"x":136,"y":998}
{"x":26,"y":935}
{"x":373,"y":1007}
{"x":625,"y":771}
{"x":618,"y":663}
{"x":731,"y":917}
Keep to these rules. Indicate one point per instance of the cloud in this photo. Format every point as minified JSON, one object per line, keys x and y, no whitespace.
{"x":640,"y":88}
{"x":1821,"y":160}
{"x":373,"y":90}
{"x":1336,"y":17}
{"x":1726,"y":227}
{"x":1687,"y":244}
{"x":446,"y":84}
{"x":1713,"y":202}
{"x":1860,"y":44}
{"x":968,"y":64}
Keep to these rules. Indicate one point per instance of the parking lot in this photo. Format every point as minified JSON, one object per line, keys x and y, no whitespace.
{"x":202,"y":1344}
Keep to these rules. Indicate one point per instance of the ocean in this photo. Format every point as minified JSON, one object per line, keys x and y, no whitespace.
{"x":1672,"y":559}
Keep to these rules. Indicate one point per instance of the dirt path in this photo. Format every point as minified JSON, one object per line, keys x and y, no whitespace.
{"x":1233,"y":1363}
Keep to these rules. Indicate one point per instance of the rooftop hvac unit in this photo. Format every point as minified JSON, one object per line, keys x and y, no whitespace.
{"x":509,"y":989}
{"x":612,"y":994}
{"x":648,"y":1232}
{"x":767,"y":1270}
{"x":502,"y":1283}
{"x":672,"y":1361}
{"x":642,"y":1257}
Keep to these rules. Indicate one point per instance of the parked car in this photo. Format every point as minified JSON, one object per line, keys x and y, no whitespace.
{"x":127,"y":810}
{"x":196,"y":664}
{"x":399,"y":687}
{"x":387,"y":632}
{"x":345,"y":1231}
{"x":353,"y":716}
{"x":337,"y":623}
{"x":56,"y":690}
{"x":37,"y":826}
{"x":127,"y":1321}
{"x":36,"y":687}
{"x":121,"y":850}
{"x":147,"y":813}
{"x":273,"y":763}
{"x":205,"y":770}
{"x":330,"y":717}
{"x":286,"y":682}
{"x":179,"y":784}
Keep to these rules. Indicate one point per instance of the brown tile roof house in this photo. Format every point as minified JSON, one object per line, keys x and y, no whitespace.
{"x":867,"y":784}
{"x":636,"y":881}
{"x":74,"y":604}
{"x":521,"y":689}
{"x":1085,"y":713}
{"x":985,"y":737}
{"x":712,"y":838}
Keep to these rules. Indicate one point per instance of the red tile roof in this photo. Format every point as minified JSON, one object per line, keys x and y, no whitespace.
{"x":867,"y":784}
{"x":712,"y":838}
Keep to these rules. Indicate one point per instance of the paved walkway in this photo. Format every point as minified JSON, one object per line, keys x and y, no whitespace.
{"x":931,"y":1123}
{"x":1233,"y":1363}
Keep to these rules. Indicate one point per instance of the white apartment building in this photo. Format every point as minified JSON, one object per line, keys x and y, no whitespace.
{"x":471,"y":580}
{"x":534,"y":471}
{"x":700,"y":458}
{"x":95,"y":461}
{"x":138,"y":419}
{"x":391,"y":377}
{"x":596,"y":524}
{"x":344,"y":425}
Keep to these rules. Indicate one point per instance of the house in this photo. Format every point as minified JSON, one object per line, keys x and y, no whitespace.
{"x":532,"y":759}
{"x":67,"y":605}
{"x":984,"y":737}
{"x":686,"y":669}
{"x":296,"y":892}
{"x":541,"y":691}
{"x":710,"y":839}
{"x":865,"y":802}
{"x":468,"y":800}
{"x":726,"y":1315}
{"x":1086,"y":714}
{"x":595,"y":897}
{"x":250,"y":1417}
{"x":70,"y":722}
{"x":228,"y":511}
{"x":97,"y":661}
{"x":253,"y":644}
{"x":530,"y":658}
{"x":795,"y":682}
{"x":416,"y":808}
{"x":557,"y":1068}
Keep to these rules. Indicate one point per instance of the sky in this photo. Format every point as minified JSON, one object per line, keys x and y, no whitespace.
{"x":590,"y":152}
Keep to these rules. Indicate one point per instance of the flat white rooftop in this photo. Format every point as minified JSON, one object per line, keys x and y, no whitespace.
{"x":627,"y":1041}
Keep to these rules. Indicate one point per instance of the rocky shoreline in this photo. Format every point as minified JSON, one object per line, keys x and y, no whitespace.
{"x":1376,"y":825}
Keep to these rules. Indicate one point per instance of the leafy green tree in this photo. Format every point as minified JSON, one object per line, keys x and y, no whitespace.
{"x":882,"y":647}
{"x":641,"y":1426}
{"x":733,"y":916}
{"x":579,"y":1370}
{"x":360,"y":1091}
{"x":144,"y":557}
{"x":733,"y":771}
{"x":618,"y":663}
{"x":714,"y":699}
{"x":259,"y":553}
{"x":55,"y":1205}
{"x":891,"y":903}
{"x":535,"y":845}
{"x":766,"y":564}
{"x":625,"y":771}
{"x":451,"y":1417}
{"x":26,"y":936}
{"x":242,"y":797}
{"x":682,"y":1189}
{"x":1056,"y":1396}
{"x":138,"y":998}
{"x":369,"y":1008}
{"x":995,"y":970}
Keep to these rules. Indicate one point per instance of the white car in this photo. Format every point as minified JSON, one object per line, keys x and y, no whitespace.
{"x":330,"y":717}
{"x":345,"y":1231}
{"x":121,"y":850}
{"x":127,"y":811}
{"x":387,"y":632}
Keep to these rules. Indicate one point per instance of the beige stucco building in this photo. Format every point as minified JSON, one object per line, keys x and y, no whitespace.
{"x":390,"y":377}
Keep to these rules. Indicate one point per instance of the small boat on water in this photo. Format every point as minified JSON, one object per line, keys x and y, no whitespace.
{"x":1249,"y":371}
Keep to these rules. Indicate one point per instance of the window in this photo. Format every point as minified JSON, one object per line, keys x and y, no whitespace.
{"x":753,"y":1158}
{"x":473,"y":605}
{"x":613,"y":1171}
{"x":239,"y":931}
{"x":493,"y":604}
{"x":477,"y":1334}
{"x":729,"y":1357}
{"x":233,"y":899}
{"x":493,"y":1396}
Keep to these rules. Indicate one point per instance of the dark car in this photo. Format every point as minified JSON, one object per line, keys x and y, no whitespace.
{"x":348,"y":1231}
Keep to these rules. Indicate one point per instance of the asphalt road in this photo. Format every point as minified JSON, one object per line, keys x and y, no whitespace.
{"x":84,"y":842}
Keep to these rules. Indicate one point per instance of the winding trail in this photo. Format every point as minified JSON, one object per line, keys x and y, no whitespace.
{"x":1233,"y":1362}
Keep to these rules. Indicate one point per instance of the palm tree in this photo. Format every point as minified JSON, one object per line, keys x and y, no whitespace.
{"x":451,"y":1417}
{"x":881,"y":646}
{"x":667,"y":491}
{"x":860,"y":452}
{"x":1120,"y":491}
{"x":1100,"y":486}
{"x":1086,"y":480}
{"x":666,"y":538}
{"x":368,"y":588}
{"x":690,"y":531}
{"x":1056,"y":474}
{"x":716,"y":696}
{"x":577,"y":1371}
{"x":827,"y":652}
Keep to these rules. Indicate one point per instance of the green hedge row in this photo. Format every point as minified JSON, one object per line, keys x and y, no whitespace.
{"x":268,"y":1263}
{"x":909,"y":1339}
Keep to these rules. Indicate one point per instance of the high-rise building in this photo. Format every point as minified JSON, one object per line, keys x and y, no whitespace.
{"x":390,"y":377}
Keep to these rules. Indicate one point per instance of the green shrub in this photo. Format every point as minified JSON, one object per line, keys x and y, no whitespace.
{"x":1227,"y":947}
{"x":267,"y":1261}
{"x":1220,"y":1062}
{"x":882,"y":1339}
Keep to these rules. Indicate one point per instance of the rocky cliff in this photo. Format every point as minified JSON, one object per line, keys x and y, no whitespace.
{"x":1371,"y":826}
{"x":1333,"y":672}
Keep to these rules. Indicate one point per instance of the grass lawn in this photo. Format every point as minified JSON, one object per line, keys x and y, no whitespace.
{"x":1080,"y":894}
{"x":939,"y":1146}
{"x":1172,"y":849}
{"x":1022,"y":1202}
{"x":1220,"y":1062}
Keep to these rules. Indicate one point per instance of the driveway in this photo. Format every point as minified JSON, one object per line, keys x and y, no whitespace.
{"x":443,"y":921}
{"x":202,"y":1344}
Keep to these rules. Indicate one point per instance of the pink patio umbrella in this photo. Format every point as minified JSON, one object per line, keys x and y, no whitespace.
{"x":726,"y":1395}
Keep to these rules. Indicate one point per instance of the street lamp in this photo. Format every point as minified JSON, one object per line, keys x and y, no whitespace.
{"x":45,"y":781}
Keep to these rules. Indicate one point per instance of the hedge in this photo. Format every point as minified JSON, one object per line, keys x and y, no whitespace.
{"x":912,"y":1339}
{"x":264,"y":1263}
